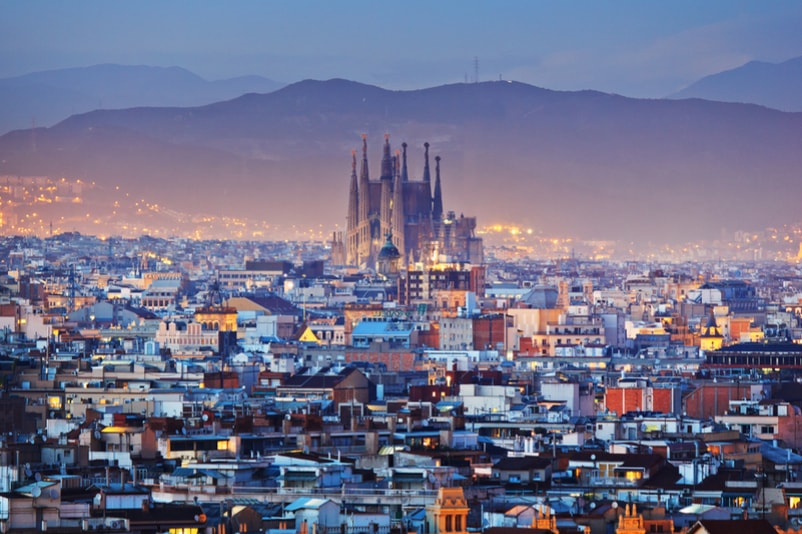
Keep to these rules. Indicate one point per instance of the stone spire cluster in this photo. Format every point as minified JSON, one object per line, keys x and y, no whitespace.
{"x":394,"y":206}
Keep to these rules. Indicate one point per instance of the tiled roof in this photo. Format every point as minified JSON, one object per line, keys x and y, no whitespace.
{"x":275,"y":305}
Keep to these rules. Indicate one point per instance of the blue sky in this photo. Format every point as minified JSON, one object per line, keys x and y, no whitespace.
{"x":637,"y":48}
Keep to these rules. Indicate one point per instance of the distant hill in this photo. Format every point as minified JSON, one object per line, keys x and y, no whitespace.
{"x":774,"y":85}
{"x":583,"y":164}
{"x":44,"y":98}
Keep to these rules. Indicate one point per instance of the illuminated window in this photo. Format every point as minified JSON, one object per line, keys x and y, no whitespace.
{"x":793,"y":501}
{"x":222,"y":445}
{"x":634,"y":475}
{"x":54,"y":402}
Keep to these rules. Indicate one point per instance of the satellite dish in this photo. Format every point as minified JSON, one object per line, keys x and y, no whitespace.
{"x":184,"y":430}
{"x":205,"y":417}
{"x":614,"y":505}
{"x":53,"y":494}
{"x":36,"y":491}
{"x":28,"y":472}
{"x":37,"y":477}
{"x":97,"y":434}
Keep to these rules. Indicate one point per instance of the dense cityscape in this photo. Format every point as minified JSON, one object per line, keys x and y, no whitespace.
{"x":400,"y":376}
{"x":452,"y":267}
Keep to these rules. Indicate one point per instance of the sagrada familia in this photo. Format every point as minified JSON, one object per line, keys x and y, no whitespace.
{"x":395,"y":216}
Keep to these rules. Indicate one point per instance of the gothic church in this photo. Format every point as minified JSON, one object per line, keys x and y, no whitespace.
{"x":407,"y":213}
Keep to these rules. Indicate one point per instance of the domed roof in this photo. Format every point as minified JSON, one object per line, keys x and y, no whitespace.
{"x":389,"y":251}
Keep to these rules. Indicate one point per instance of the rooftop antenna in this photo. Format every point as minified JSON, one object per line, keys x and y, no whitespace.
{"x":476,"y":69}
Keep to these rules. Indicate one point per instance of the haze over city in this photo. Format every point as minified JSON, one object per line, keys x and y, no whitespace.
{"x":66,"y":68}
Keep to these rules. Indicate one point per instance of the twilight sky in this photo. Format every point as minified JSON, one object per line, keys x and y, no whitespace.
{"x":637,"y":48}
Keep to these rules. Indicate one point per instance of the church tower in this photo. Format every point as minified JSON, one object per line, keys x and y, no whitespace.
{"x":427,"y":175}
{"x":385,"y":206}
{"x":711,"y":338}
{"x":437,"y":203}
{"x":352,"y":224}
{"x":363,"y":226}
{"x":398,"y":204}
{"x":405,"y":173}
{"x":408,"y":210}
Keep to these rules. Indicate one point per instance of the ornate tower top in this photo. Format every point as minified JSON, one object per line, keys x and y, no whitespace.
{"x":387,"y":159}
{"x":437,"y":205}
{"x":405,"y":174}
{"x":427,"y":177}
{"x":364,"y":175}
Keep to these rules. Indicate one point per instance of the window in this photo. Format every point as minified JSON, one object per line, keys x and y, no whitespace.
{"x":449,"y":524}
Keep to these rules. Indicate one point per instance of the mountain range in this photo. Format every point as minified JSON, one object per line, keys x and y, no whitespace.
{"x":583,"y":164}
{"x":44,"y":98}
{"x":774,"y":85}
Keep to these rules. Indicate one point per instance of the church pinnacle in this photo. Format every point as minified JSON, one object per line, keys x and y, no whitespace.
{"x":437,"y":206}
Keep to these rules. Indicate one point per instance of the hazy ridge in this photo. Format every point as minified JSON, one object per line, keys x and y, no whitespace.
{"x":585,"y":164}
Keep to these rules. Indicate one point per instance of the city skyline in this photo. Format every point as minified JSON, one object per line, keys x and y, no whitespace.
{"x":630,"y":48}
{"x":609,"y":156}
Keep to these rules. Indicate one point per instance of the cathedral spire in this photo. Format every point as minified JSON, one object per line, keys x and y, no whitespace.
{"x":437,"y":206}
{"x":426,"y":192}
{"x":398,"y":211}
{"x":364,"y":186}
{"x":353,"y":212}
{"x":387,"y":159}
{"x":386,"y":199}
{"x":364,"y":174}
{"x":353,"y":193}
{"x":427,"y":177}
{"x":405,"y":174}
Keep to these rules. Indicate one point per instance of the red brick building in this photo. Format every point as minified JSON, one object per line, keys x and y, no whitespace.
{"x":643,"y":399}
{"x":712,"y":399}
